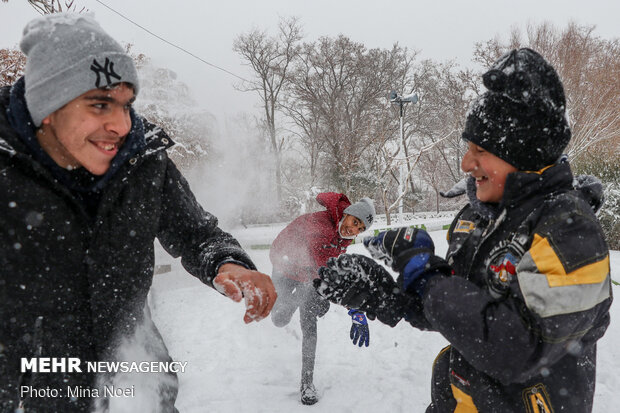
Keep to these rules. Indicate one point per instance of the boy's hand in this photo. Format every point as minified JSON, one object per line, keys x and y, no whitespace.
{"x":357,"y":281}
{"x":397,"y":246}
{"x":359,"y":328}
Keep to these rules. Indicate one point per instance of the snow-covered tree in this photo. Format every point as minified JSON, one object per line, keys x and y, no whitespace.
{"x":12,"y":64}
{"x":436,"y":122}
{"x":337,"y":100}
{"x":270,"y":58}
{"x":603,"y":164}
{"x":167,"y":102}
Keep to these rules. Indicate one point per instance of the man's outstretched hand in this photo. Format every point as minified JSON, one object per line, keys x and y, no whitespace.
{"x":237,"y":283}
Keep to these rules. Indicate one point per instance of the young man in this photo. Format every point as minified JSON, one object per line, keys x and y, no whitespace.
{"x":297,"y":253}
{"x":525,"y":292}
{"x":86,"y":187}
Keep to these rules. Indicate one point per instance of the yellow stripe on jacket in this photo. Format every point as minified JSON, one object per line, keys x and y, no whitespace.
{"x":464,"y":402}
{"x":549,"y":290}
{"x":549,"y":264}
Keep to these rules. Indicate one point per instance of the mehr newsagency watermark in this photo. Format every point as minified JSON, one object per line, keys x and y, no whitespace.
{"x":75,"y":365}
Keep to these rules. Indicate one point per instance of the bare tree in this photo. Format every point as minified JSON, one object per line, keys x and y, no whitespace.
{"x":387,"y":162}
{"x":307,"y":127}
{"x":337,"y":97}
{"x":433,"y":167}
{"x":433,"y":125}
{"x":337,"y":102}
{"x":270,"y":57}
{"x":385,"y":166}
{"x":54,"y":6}
{"x":167,"y":102}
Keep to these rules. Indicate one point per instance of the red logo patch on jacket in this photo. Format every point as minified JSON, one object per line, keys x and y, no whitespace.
{"x":506,"y":269}
{"x":501,"y":274}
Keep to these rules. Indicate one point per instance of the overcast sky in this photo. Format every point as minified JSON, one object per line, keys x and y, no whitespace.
{"x":441,"y":30}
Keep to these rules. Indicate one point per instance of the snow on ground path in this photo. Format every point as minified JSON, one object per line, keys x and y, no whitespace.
{"x":234,"y":367}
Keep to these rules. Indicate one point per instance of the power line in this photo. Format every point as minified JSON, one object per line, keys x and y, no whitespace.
{"x":170,"y":43}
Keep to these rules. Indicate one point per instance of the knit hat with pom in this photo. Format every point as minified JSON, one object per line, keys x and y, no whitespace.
{"x":521,"y":118}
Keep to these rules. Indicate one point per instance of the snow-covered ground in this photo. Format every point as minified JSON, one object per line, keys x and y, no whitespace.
{"x":234,"y":367}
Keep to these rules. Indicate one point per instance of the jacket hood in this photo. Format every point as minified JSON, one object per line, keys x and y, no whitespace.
{"x":335,"y":204}
{"x":591,"y":190}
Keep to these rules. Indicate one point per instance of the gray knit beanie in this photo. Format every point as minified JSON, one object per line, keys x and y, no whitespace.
{"x":68,"y":55}
{"x":363,"y":209}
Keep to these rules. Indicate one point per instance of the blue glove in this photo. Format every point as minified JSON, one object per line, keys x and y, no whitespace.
{"x":410,"y":252}
{"x":375,"y":246}
{"x":397,"y":246}
{"x":359,"y":328}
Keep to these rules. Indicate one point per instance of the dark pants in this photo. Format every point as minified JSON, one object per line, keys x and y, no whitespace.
{"x":291,"y":295}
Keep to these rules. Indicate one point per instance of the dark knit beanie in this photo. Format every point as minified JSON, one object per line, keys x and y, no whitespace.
{"x":68,"y":55}
{"x":521,"y":118}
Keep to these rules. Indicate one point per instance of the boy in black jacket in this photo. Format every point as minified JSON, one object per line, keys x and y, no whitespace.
{"x":524,"y":292}
{"x":86,"y":186}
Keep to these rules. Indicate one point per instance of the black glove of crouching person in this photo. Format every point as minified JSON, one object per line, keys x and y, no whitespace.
{"x":356,"y":281}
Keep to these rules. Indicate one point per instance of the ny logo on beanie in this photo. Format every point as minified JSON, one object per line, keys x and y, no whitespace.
{"x":108,"y":71}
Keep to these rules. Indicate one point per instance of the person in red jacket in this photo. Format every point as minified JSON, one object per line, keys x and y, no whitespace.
{"x":297,"y":253}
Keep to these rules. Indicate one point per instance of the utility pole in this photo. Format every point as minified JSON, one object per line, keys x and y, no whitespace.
{"x":396,"y":99}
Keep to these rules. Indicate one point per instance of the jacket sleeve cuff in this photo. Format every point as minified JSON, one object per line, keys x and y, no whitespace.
{"x":233,"y":256}
{"x":231,"y":261}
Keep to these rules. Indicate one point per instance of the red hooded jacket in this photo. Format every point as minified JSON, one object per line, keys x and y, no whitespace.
{"x":306,"y":243}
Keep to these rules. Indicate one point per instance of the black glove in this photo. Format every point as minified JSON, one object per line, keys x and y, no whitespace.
{"x":356,"y":281}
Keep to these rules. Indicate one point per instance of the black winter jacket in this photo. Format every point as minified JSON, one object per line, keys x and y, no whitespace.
{"x":529,"y":300}
{"x":74,"y":286}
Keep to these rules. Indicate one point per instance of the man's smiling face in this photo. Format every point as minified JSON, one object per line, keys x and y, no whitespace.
{"x":88,"y":131}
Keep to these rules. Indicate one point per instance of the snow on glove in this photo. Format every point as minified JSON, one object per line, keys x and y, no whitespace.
{"x":375,"y":246}
{"x":398,"y":245}
{"x":359,"y":328}
{"x":356,"y":281}
{"x":411,"y":252}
